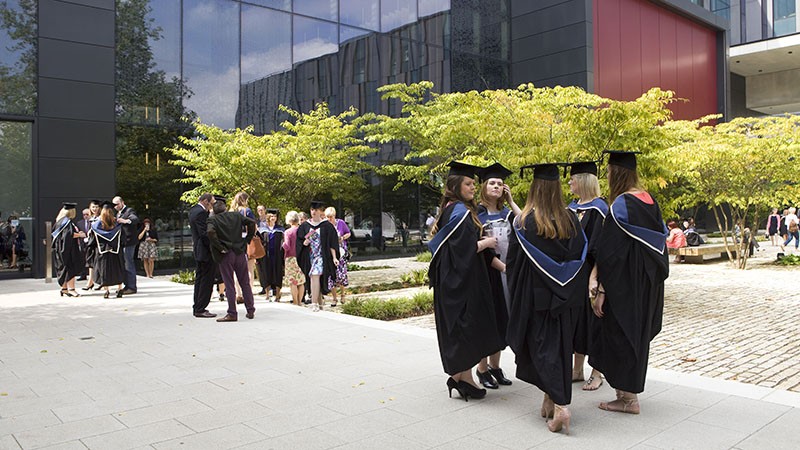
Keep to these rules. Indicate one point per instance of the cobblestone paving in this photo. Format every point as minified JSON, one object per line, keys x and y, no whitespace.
{"x":726,"y":323}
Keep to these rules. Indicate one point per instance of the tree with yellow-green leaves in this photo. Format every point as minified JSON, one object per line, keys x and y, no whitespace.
{"x":519,"y":126}
{"x":317,"y":154}
{"x":737,"y":168}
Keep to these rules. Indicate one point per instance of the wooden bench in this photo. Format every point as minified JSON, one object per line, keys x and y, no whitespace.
{"x":694,"y":255}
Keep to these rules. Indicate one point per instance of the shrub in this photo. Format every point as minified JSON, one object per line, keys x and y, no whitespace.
{"x":352,"y":267}
{"x":789,"y":260}
{"x":183,"y":277}
{"x":390,"y":309}
{"x":423,"y":257}
{"x":415,"y":277}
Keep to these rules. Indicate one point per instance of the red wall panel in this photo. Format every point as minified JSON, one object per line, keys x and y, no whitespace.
{"x":639,"y":44}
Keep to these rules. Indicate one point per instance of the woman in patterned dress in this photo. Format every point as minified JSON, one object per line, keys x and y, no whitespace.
{"x":293,"y":273}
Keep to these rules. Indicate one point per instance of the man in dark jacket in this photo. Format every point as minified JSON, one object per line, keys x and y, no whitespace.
{"x":201,"y":248}
{"x":229,"y":250}
{"x":126,"y":216}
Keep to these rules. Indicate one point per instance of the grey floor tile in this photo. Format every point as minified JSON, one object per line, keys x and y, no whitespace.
{"x":222,"y":438}
{"x":160,"y":412}
{"x":25,"y":422}
{"x":740,"y":414}
{"x":373,"y":423}
{"x":693,"y":435}
{"x":291,"y":421}
{"x":42,"y":437}
{"x":308,"y":439}
{"x":136,"y":437}
{"x":8,"y":442}
{"x":225,"y":416}
{"x":778,"y":434}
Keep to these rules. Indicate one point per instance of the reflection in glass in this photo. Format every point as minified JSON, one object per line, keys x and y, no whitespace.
{"x":784,"y":13}
{"x":16,"y":197}
{"x":285,"y":5}
{"x":266,"y":42}
{"x":395,"y":13}
{"x":482,"y":28}
{"x":324,"y":9}
{"x":313,"y":38}
{"x":428,"y":7}
{"x":165,"y":42}
{"x":18,"y":56}
{"x":360,"y":13}
{"x":348,"y":33}
{"x":211,"y":59}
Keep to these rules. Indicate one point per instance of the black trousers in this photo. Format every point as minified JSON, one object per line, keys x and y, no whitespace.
{"x":203,"y":284}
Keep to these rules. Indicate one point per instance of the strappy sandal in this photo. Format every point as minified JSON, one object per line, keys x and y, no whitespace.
{"x":588,"y":386}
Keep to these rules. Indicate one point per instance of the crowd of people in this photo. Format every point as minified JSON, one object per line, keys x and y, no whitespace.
{"x":232,"y":247}
{"x":554,"y":282}
{"x":102,"y":243}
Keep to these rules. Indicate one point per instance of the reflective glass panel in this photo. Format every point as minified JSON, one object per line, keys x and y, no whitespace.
{"x":266,"y":42}
{"x":285,"y":5}
{"x":313,"y":38}
{"x":428,"y":7}
{"x":16,"y":198}
{"x":785,"y":17}
{"x":396,"y":13}
{"x":149,"y":88}
{"x":360,"y":13}
{"x":18,"y":56}
{"x":211,"y":59}
{"x":348,"y":33}
{"x":324,"y":9}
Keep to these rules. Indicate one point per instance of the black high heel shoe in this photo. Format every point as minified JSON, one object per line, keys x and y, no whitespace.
{"x":486,"y":380}
{"x":106,"y":294}
{"x":98,"y":287}
{"x":119,"y":294}
{"x":499,"y":376}
{"x":467,"y":390}
{"x":68,"y":293}
{"x":452,"y":384}
{"x":87,"y":288}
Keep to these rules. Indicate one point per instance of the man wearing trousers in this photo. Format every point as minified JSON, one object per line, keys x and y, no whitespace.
{"x":201,"y":248}
{"x":126,"y":216}
{"x":229,"y":250}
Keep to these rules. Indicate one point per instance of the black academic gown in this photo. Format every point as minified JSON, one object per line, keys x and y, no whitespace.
{"x":69,"y":261}
{"x":495,"y":276}
{"x":109,"y":262}
{"x":632,"y":264}
{"x":270,"y":267}
{"x":462,"y":298}
{"x":591,"y":216}
{"x":548,"y":280}
{"x":329,"y":239}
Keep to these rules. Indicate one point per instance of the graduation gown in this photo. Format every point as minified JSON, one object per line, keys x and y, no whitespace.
{"x":591,"y":216}
{"x":632,"y":264}
{"x":329,"y":239}
{"x":548,"y":280}
{"x":464,"y":307}
{"x":270,"y":267}
{"x":109,"y":262}
{"x":501,"y":226}
{"x":69,"y":261}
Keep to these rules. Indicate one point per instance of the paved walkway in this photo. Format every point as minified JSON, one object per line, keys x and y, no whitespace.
{"x":140,"y":372}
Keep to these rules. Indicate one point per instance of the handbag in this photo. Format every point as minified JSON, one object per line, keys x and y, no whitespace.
{"x":255,"y":249}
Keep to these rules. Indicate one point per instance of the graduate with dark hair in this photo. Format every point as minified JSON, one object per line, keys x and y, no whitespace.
{"x":632,"y":264}
{"x":548,"y":279}
{"x":69,"y":261}
{"x":318,"y":252}
{"x":462,"y":298}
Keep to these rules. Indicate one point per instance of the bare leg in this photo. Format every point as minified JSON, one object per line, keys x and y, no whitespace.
{"x":466,"y":376}
{"x":494,"y":361}
{"x":577,"y":367}
{"x":301,"y":292}
{"x":316,"y":291}
{"x":626,"y":402}
{"x":483,"y":365}
{"x":90,"y":281}
{"x":341,"y":297}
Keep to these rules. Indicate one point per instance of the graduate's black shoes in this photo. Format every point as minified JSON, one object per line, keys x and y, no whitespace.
{"x":467,"y":390}
{"x":452,"y":384}
{"x":499,"y":376}
{"x":486,"y":380}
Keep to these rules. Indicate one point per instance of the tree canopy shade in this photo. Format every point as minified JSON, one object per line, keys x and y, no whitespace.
{"x":518,"y":127}
{"x":315,"y":155}
{"x":737,"y":168}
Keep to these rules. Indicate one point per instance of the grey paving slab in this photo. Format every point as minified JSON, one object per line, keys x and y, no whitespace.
{"x":152,"y":376}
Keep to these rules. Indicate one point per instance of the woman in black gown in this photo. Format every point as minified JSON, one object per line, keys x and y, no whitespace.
{"x":462,"y":296}
{"x":109,"y":264}
{"x":67,"y":255}
{"x":632,"y":264}
{"x":591,"y":211}
{"x":548,"y":280}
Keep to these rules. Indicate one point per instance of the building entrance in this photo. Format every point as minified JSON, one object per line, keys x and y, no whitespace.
{"x":16,"y":200}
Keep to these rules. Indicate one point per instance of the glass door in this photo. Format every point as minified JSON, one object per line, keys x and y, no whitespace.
{"x":16,"y":200}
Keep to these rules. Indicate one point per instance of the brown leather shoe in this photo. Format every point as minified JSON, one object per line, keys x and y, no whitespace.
{"x":205,"y":314}
{"x":250,"y":315}
{"x":227,"y":318}
{"x":239,"y":300}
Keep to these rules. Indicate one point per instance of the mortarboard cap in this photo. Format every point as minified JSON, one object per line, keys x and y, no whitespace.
{"x":316,"y":204}
{"x":543,"y":171}
{"x":219,"y":198}
{"x":69,"y":205}
{"x":583,"y":167}
{"x":272,"y":211}
{"x":496,"y":170}
{"x":622,"y":158}
{"x":107,"y":204}
{"x":96,"y":202}
{"x":462,"y":169}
